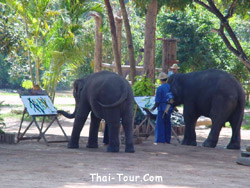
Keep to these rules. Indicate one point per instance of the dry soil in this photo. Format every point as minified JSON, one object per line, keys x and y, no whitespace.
{"x":31,"y":164}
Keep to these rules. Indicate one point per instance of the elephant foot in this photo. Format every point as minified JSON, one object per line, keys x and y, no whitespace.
{"x":113,"y":148}
{"x":72,"y":145}
{"x":209,"y":144}
{"x":130,"y":148}
{"x":235,"y":146}
{"x":93,"y":145}
{"x":189,"y":142}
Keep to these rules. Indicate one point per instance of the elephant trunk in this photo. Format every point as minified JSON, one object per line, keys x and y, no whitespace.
{"x":66,"y":114}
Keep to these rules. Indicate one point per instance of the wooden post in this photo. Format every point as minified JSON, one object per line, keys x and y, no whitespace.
{"x":169,"y":53}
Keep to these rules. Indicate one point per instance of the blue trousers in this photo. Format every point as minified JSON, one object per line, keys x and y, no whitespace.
{"x":163,"y":128}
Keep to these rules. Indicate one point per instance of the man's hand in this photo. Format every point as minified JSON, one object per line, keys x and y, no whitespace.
{"x":169,"y":104}
{"x":171,"y":101}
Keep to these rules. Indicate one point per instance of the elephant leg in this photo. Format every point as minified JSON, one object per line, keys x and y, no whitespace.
{"x":127,"y":126}
{"x":190,"y":119}
{"x":112,"y":118}
{"x":235,"y":121}
{"x":79,"y":122}
{"x":219,"y":115}
{"x":93,"y":131}
{"x":213,"y":136}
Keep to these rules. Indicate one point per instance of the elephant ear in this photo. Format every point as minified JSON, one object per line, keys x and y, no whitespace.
{"x":78,"y":86}
{"x":172,"y":81}
{"x":175,"y":87}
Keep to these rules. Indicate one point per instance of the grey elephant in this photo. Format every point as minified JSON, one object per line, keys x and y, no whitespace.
{"x":107,"y":96}
{"x":212,"y":93}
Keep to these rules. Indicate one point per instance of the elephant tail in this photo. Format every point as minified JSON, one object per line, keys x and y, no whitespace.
{"x":66,"y":114}
{"x":118,"y":102}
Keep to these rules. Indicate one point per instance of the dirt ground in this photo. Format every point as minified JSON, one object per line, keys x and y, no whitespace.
{"x":33,"y":164}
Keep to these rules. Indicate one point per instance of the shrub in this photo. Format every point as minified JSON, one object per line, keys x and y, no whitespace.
{"x":143,"y":86}
{"x":27,"y":84}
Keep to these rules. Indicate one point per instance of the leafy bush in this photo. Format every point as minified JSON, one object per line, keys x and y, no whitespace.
{"x":8,"y":77}
{"x":199,"y":48}
{"x":27,"y":84}
{"x":143,"y":86}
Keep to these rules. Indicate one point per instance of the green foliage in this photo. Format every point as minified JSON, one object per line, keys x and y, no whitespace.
{"x":245,"y":127}
{"x":193,"y":31}
{"x":51,"y":32}
{"x":4,"y":76}
{"x":83,"y":69}
{"x":9,"y":45}
{"x":199,"y":48}
{"x":143,"y":86}
{"x":66,"y":45}
{"x":7,"y":78}
{"x":170,"y":4}
{"x":174,"y":5}
{"x":27,"y":84}
{"x":8,"y":36}
{"x":61,"y":38}
{"x":242,"y":7}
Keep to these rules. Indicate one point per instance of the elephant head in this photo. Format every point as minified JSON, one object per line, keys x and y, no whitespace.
{"x":77,"y":88}
{"x":175,"y":82}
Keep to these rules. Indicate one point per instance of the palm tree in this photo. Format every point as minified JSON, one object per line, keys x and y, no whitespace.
{"x":51,"y":35}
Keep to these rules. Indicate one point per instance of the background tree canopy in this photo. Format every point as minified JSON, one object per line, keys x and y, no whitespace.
{"x":200,"y":48}
{"x":50,"y":42}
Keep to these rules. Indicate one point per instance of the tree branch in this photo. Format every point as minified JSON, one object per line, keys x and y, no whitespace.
{"x":216,"y":11}
{"x":231,"y":10}
{"x":238,"y":51}
{"x":204,"y":5}
{"x":240,"y":55}
{"x":226,"y":41}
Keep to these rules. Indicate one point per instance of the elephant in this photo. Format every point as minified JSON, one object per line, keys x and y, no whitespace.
{"x":107,"y":96}
{"x":211,"y":93}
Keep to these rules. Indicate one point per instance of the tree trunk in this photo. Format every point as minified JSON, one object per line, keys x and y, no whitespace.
{"x":129,"y":42}
{"x":149,"y":44}
{"x":37,"y":68}
{"x":28,"y":54}
{"x":114,"y":37}
{"x":98,"y":43}
{"x":118,"y":26}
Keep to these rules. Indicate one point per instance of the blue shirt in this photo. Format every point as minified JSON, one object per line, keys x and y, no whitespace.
{"x":163,"y":95}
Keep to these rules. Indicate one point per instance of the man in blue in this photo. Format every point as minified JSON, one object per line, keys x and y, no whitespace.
{"x":163,"y":101}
